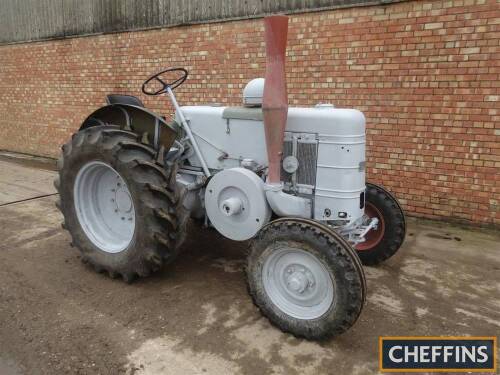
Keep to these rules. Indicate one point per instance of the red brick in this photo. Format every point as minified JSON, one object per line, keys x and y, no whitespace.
{"x":426,"y":75}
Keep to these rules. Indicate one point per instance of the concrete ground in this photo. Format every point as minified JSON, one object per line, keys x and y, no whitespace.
{"x":58,"y":316}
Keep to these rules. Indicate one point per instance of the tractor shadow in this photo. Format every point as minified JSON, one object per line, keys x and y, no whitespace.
{"x":206,"y":254}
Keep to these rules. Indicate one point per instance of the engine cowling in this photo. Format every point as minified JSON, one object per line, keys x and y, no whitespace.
{"x":330,"y":150}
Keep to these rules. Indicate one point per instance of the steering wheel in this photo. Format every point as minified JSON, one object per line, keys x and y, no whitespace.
{"x":165,"y":85}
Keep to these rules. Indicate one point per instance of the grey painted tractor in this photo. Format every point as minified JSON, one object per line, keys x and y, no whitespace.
{"x":291,"y":181}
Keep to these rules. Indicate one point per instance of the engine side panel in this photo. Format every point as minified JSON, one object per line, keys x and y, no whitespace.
{"x":225,"y":142}
{"x":339,"y":136}
{"x":340,"y":169}
{"x":340,"y":178}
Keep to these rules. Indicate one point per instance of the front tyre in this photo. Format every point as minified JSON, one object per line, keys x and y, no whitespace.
{"x":120,"y":206}
{"x":384,"y":241}
{"x":305,"y":278}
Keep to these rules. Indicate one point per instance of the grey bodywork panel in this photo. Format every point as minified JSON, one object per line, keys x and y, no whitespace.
{"x":153,"y":129}
{"x":243,"y":113}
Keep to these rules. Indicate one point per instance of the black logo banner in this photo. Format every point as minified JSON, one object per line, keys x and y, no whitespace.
{"x":420,"y":354}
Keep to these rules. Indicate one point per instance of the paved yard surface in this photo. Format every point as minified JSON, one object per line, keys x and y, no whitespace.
{"x":57,"y":316}
{"x":18,"y":183}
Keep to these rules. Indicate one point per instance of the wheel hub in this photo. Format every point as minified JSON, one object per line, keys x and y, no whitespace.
{"x":104,"y":207}
{"x":297,"y":282}
{"x":123,"y":201}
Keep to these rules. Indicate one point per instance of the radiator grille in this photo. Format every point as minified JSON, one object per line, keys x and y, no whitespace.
{"x":306,"y":153}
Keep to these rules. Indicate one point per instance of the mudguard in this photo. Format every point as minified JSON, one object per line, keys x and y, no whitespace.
{"x":153,"y":129}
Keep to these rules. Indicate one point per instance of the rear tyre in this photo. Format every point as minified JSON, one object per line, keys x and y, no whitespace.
{"x":383,"y":242}
{"x":121,"y":207}
{"x":305,"y":278}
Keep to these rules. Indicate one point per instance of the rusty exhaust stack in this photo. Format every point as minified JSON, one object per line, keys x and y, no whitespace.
{"x":275,"y":100}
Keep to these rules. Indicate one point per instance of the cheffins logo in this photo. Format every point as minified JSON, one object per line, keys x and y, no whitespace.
{"x":438,"y":354}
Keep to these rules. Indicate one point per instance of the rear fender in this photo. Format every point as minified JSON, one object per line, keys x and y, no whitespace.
{"x":152,"y":128}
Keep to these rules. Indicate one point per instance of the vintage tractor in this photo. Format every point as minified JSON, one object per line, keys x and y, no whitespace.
{"x":289,"y":180}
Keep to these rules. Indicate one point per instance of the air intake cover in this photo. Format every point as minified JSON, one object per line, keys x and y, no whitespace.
{"x":253,"y":92}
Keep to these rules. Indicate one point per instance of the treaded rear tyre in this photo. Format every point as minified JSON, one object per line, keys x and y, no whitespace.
{"x":393,"y":226}
{"x":160,"y":220}
{"x":335,"y":255}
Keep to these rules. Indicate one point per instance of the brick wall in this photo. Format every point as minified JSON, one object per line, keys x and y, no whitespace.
{"x":425,"y":73}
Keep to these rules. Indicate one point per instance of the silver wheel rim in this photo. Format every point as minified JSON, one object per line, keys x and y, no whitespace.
{"x":104,"y":207}
{"x":297,"y":282}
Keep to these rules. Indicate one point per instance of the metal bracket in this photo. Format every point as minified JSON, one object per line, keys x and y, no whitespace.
{"x":190,"y":135}
{"x":355,"y":231}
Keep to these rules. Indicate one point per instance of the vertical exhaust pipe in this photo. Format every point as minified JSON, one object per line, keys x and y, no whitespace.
{"x":275,"y":112}
{"x":275,"y":99}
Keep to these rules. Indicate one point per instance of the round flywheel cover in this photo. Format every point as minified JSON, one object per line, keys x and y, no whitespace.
{"x":245,"y":187}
